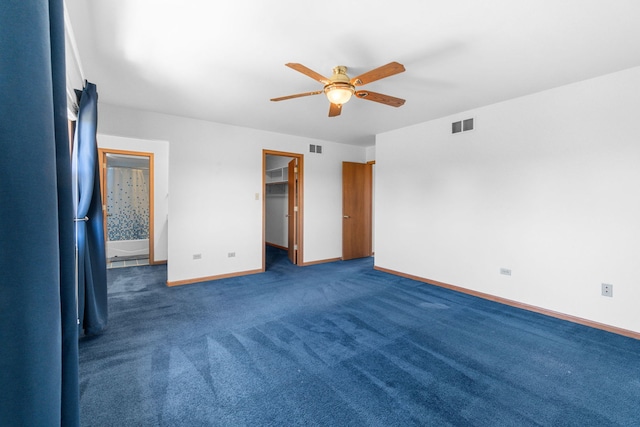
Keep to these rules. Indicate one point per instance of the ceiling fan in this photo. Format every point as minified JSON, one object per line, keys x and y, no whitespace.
{"x":339,"y":87}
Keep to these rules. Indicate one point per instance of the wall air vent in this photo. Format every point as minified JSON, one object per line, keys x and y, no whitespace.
{"x":462,"y":126}
{"x":315,"y":148}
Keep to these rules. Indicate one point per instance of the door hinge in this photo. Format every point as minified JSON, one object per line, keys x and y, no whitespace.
{"x":295,"y":209}
{"x":295,"y":170}
{"x":295,"y":247}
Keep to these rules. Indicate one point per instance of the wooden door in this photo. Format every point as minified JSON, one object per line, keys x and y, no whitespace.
{"x":356,"y":210}
{"x":292,"y":211}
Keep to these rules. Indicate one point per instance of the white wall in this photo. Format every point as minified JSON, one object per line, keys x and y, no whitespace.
{"x":215,"y":172}
{"x":371,"y":153}
{"x":160,"y":150}
{"x":547,"y":186}
{"x":371,"y":157}
{"x":276,"y":220}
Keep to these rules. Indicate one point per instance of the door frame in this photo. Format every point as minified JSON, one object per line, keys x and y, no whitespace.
{"x":292,"y":210}
{"x":300,"y":222}
{"x":102,"y":155}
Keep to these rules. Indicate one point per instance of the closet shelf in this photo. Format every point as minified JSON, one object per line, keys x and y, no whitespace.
{"x":276,"y":180}
{"x":277,"y":188}
{"x":277,"y":175}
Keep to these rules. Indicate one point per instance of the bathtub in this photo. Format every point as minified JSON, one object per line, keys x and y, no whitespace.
{"x":127,"y":248}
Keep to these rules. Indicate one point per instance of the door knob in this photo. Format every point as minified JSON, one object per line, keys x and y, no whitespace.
{"x":346,"y":216}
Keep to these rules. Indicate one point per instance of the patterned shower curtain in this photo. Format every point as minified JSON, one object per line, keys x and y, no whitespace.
{"x":127,"y":204}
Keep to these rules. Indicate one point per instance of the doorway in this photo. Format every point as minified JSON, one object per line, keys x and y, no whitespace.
{"x":282,"y":206}
{"x":126,"y":182}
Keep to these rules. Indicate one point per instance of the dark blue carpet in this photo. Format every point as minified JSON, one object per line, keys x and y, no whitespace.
{"x":341,"y":344}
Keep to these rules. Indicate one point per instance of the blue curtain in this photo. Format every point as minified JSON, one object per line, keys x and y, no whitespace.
{"x":92,"y":269}
{"x":38,"y":319}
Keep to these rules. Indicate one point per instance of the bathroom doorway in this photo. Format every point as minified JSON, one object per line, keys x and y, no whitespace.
{"x":127,"y":202}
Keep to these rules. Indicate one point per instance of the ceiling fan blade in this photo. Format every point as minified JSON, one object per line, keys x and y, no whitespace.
{"x":297,"y":95}
{"x":335,"y":110}
{"x":308,"y":72}
{"x":378,"y":97}
{"x":379,"y":73}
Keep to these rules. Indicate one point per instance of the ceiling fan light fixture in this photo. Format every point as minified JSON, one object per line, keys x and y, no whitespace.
{"x":339,"y":88}
{"x":339,"y":93}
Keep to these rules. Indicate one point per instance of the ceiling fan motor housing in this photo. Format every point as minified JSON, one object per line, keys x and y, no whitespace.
{"x":339,"y":74}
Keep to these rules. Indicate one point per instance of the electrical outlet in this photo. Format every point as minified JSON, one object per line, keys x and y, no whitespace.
{"x":231,"y":254}
{"x":607,"y":290}
{"x":505,"y":271}
{"x":197,"y":256}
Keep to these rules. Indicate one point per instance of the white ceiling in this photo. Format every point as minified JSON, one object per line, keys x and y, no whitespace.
{"x":223,"y":61}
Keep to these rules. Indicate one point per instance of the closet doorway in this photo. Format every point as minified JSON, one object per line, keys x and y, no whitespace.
{"x":283,"y":204}
{"x":126,"y":182}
